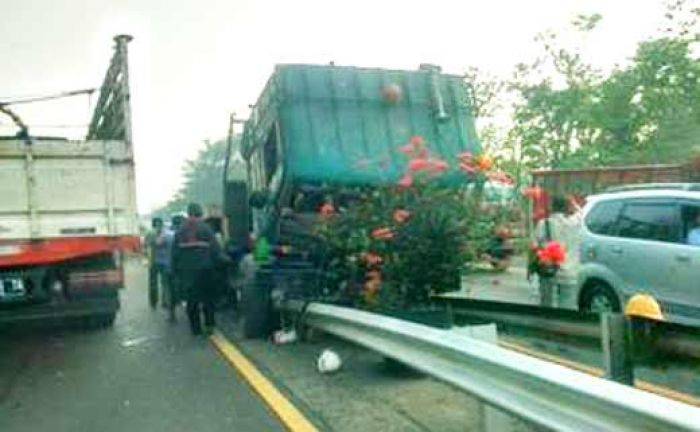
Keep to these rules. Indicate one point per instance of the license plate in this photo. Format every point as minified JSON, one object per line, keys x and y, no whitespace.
{"x":11,"y":289}
{"x":9,"y":250}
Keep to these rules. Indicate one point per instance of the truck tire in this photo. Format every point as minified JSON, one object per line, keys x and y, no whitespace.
{"x":105,"y":320}
{"x":95,"y":322}
{"x":256,"y":309}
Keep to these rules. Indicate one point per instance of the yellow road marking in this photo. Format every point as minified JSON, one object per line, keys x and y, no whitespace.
{"x":288,"y":414}
{"x":642,"y":385}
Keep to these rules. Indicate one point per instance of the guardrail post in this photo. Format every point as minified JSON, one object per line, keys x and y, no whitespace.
{"x":450,"y":315}
{"x":495,"y":420}
{"x":617,"y":348}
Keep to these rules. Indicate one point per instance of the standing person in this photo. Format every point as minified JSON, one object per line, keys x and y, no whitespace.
{"x":157,"y":271}
{"x":220,"y":273}
{"x":195,"y":251}
{"x":564,"y":226}
{"x":174,"y":296}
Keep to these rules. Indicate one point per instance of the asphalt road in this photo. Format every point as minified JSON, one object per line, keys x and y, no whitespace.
{"x":510,"y":286}
{"x":143,"y":374}
{"x":366,"y":394}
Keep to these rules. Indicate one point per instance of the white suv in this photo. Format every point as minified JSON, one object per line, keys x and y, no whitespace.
{"x":636,"y":240}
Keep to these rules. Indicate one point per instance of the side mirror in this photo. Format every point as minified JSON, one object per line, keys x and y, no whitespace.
{"x":259,"y":199}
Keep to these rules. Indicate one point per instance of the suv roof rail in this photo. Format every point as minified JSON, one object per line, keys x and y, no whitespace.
{"x":691,"y":187}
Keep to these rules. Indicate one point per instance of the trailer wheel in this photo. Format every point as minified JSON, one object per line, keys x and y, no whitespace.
{"x":255,"y":310}
{"x":105,"y":320}
{"x":96,"y":322}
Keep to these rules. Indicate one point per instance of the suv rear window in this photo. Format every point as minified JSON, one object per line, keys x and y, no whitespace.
{"x":602,"y":219}
{"x":650,"y":221}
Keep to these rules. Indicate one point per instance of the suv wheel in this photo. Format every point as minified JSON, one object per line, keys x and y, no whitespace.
{"x":599,"y":297}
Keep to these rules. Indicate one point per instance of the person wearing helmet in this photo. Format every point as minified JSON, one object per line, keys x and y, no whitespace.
{"x":195,"y":251}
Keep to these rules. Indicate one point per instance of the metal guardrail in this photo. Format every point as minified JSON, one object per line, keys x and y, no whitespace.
{"x":550,"y":320}
{"x":674,"y":339}
{"x":542,"y":393}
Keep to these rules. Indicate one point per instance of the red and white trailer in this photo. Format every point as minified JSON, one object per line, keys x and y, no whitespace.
{"x":68,"y":212}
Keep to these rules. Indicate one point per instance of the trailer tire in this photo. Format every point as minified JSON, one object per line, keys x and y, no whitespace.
{"x":97,"y":321}
{"x":106,"y":320}
{"x":255,"y":310}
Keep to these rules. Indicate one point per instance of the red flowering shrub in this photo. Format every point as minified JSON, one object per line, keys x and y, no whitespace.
{"x":402,"y":242}
{"x":401,"y":216}
{"x":419,"y":164}
{"x":383,"y":234}
{"x":327,"y":210}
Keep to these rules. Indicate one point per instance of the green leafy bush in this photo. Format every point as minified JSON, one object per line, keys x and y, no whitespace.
{"x":396,"y":245}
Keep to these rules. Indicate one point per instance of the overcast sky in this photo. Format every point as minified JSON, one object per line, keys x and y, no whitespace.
{"x":193,"y":62}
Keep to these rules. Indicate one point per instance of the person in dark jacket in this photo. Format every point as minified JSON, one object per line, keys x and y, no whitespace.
{"x":195,"y":255}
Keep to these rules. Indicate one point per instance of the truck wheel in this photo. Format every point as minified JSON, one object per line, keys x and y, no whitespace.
{"x":99,"y":321}
{"x":255,"y":309}
{"x":106,"y":320}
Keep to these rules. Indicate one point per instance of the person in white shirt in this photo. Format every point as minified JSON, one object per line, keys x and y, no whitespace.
{"x":564,"y":226}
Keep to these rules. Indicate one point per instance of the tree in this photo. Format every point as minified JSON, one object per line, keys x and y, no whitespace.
{"x":578,"y":116}
{"x":203,"y":178}
{"x":487,"y":95}
{"x":484,"y":92}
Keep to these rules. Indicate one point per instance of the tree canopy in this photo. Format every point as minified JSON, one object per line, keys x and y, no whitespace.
{"x":202,"y":178}
{"x":566,"y":113}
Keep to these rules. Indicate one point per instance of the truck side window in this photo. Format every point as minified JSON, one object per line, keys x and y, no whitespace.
{"x":651,"y":221}
{"x":602,"y":219}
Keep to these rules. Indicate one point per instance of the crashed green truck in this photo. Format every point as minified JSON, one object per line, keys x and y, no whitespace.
{"x":317,"y":127}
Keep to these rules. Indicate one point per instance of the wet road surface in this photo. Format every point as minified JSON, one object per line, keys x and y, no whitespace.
{"x":144,"y":374}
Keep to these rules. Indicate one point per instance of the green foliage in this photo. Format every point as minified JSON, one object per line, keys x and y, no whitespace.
{"x":484,"y":91}
{"x":579,"y":117}
{"x":203,"y":179}
{"x":587,"y":22}
{"x":436,"y":231}
{"x":443,"y":232}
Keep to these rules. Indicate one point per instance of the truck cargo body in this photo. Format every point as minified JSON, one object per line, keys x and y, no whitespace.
{"x":319,"y":129}
{"x":578,"y":183}
{"x":67,"y":214}
{"x":588,"y":181}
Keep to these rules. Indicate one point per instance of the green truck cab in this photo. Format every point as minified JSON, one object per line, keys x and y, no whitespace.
{"x":318,"y":126}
